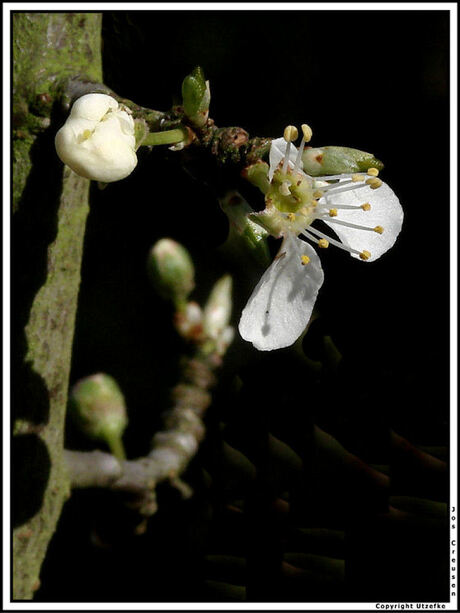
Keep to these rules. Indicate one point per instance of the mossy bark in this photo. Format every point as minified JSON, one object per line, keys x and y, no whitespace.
{"x":50,"y":205}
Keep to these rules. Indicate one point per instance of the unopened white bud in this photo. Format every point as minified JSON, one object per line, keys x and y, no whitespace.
{"x":218,"y":308}
{"x":97,"y":141}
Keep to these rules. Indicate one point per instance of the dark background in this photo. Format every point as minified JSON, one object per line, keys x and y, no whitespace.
{"x":373,"y":80}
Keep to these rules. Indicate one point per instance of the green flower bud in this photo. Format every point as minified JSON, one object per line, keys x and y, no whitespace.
{"x":98,"y":407}
{"x":245,"y":238}
{"x":337,"y":160}
{"x":196,"y":97}
{"x":218,"y":309}
{"x":171,"y":269}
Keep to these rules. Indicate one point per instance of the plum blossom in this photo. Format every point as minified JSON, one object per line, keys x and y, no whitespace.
{"x":362,"y":211}
{"x":97,"y":141}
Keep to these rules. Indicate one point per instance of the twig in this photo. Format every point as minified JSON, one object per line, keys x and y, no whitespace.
{"x":228,"y":145}
{"x":172,"y":449}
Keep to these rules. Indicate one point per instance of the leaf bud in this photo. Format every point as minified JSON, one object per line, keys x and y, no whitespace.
{"x":171,"y":270}
{"x":318,"y":161}
{"x":196,"y":97}
{"x":98,"y":407}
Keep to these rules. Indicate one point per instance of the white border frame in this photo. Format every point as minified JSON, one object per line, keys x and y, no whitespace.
{"x":136,"y":6}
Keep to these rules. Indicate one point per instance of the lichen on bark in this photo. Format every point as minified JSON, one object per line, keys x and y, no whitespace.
{"x":50,"y":205}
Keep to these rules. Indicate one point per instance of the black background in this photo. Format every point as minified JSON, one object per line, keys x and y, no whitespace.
{"x":373,"y":80}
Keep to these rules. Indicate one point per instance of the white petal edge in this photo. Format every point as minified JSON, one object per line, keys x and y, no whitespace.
{"x":386,"y":211}
{"x":281,"y":304}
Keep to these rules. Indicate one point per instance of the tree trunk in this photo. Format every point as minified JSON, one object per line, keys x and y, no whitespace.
{"x":50,"y":205}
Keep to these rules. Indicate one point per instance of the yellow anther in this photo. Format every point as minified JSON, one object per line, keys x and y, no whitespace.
{"x":374,"y":183}
{"x":284,"y":189}
{"x":372,"y":172}
{"x":305,"y":259}
{"x":317,"y":194}
{"x":290,"y":133}
{"x":378,"y":229}
{"x":307,"y":132}
{"x":332,"y":212}
{"x":365,"y":255}
{"x":291,"y":216}
{"x":366,"y":206}
{"x":314,"y":203}
{"x":356,"y":178}
{"x":323,"y":243}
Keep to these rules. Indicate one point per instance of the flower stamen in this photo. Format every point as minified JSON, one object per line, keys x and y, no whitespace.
{"x":377,"y":229}
{"x":350,"y":207}
{"x":339,"y":189}
{"x":332,"y":241}
{"x":374,"y":183}
{"x":306,"y":138}
{"x":290,"y":134}
{"x":304,"y":259}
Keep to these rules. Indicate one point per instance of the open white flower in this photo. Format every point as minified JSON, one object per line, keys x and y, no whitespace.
{"x":363,"y":212}
{"x":97,"y":141}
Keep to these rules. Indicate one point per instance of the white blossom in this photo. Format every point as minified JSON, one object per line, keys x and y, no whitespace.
{"x":97,"y":141}
{"x":363,"y":212}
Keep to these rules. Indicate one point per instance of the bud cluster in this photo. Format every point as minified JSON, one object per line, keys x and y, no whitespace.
{"x":172,"y":273}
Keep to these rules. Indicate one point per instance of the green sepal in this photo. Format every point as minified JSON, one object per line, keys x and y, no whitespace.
{"x":141,"y":130}
{"x":337,"y":160}
{"x":245,"y":238}
{"x":257,"y":174}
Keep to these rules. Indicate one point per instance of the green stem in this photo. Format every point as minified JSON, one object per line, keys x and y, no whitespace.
{"x":168,"y":137}
{"x":116,"y":446}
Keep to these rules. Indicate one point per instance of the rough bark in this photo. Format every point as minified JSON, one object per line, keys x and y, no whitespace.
{"x":50,"y":205}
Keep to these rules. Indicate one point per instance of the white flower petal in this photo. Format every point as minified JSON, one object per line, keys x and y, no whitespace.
{"x":277,"y":153}
{"x":282,"y":302}
{"x":385,"y":212}
{"x":93,"y":106}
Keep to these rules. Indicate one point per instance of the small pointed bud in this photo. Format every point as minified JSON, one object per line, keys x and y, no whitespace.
{"x":196,"y":97}
{"x":218,"y":308}
{"x":189,"y":321}
{"x":245,"y":237}
{"x":99,"y":409}
{"x":171,"y":270}
{"x":319,"y":161}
